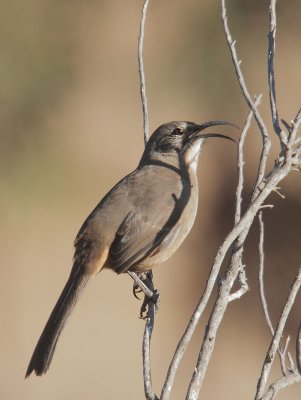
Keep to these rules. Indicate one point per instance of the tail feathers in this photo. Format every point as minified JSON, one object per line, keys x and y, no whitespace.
{"x":43,"y":353}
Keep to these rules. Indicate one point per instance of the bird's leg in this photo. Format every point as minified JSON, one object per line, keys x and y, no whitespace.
{"x":140,"y":282}
{"x":154,"y":299}
{"x":144,"y":283}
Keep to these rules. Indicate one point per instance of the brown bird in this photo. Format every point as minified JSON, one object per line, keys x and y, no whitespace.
{"x":140,"y":223}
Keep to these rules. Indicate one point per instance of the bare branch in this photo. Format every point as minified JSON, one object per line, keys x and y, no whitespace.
{"x":240,"y":162}
{"x":277,"y":337}
{"x":271,"y":71}
{"x":291,"y":362}
{"x":298,"y":349}
{"x":149,"y":325}
{"x":261,"y":271}
{"x":280,"y":384}
{"x":246,"y":94}
{"x":282,"y":353}
{"x":295,"y":126}
{"x":141,"y":72}
{"x":267,"y":206}
{"x":149,"y":291}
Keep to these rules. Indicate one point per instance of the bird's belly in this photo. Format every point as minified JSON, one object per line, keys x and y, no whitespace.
{"x":174,"y":238}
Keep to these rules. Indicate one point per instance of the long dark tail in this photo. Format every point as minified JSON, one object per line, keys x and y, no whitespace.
{"x":45,"y":347}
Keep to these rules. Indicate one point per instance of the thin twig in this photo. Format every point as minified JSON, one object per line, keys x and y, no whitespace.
{"x":148,"y":330}
{"x":271,"y":71}
{"x":248,"y":98}
{"x":298,"y":349}
{"x":282,"y":353}
{"x":240,"y":162}
{"x":149,"y":292}
{"x":295,"y":126}
{"x":267,"y":206}
{"x":141,"y":72}
{"x":261,"y":271}
{"x":291,"y":362}
{"x":266,"y":368}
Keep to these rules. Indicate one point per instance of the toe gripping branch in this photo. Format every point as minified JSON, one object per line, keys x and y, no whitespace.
{"x":143,"y":282}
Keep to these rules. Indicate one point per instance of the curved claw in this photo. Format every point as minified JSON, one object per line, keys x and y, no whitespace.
{"x":143,"y":309}
{"x":136,"y":289}
{"x":155,"y":300}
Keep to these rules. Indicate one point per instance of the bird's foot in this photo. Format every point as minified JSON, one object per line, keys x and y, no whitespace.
{"x":149,"y":301}
{"x":154,"y":300}
{"x":143,"y":282}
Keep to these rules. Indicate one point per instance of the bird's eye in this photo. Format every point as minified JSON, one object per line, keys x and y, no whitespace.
{"x":177,"y":131}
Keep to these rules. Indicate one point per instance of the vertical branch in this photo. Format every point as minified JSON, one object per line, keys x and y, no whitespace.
{"x":150,"y":302}
{"x":284,"y":352}
{"x":141,"y":72}
{"x":146,"y":354}
{"x":261,"y":271}
{"x":150,"y":319}
{"x":298,"y":349}
{"x":149,"y":325}
{"x":271,"y":71}
{"x":246,"y":94}
{"x":294,"y":127}
{"x":240,"y":163}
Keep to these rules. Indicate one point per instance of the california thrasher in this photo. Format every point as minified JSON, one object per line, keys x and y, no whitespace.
{"x":139,"y":224}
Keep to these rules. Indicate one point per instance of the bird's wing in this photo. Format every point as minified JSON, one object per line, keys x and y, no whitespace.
{"x":148,"y":223}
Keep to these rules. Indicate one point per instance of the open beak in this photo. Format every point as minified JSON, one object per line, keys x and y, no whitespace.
{"x":199,"y":128}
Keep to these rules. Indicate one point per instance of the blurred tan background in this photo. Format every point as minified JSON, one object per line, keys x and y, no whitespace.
{"x":71,"y":126}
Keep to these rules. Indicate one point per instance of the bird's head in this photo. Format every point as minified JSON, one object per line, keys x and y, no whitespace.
{"x":179,"y":138}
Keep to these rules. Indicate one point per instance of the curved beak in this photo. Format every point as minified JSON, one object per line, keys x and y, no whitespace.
{"x":199,"y":128}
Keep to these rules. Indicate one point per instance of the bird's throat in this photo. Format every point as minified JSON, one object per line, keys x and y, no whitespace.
{"x":192,"y":153}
